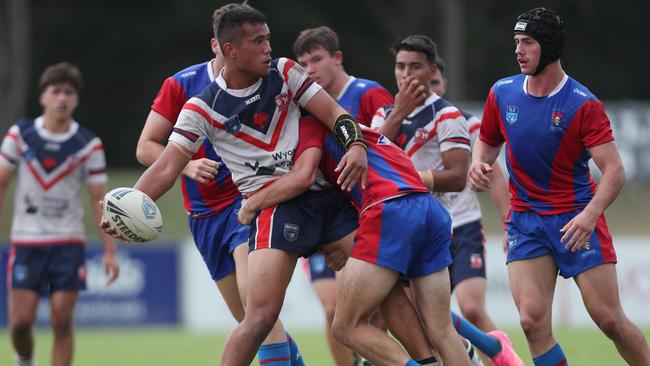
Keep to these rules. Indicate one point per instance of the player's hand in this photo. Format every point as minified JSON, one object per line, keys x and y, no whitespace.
{"x":111,"y":267}
{"x":410,"y":95}
{"x":578,"y":231}
{"x":353,"y":167}
{"x":201,"y":170}
{"x":477,"y":177}
{"x":247,"y":211}
{"x":335,"y":258}
{"x":106,"y":227}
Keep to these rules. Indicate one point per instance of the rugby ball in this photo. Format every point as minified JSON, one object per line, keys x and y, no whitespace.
{"x":133,"y":214}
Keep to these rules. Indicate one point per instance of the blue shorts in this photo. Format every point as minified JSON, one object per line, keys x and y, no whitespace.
{"x":468,"y":253}
{"x":531,"y":235}
{"x":304,"y":223}
{"x":48,"y":268}
{"x":410,"y":234}
{"x":318,"y":269}
{"x":217,"y":236}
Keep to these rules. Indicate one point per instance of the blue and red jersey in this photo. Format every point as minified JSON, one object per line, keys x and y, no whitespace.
{"x":200,"y":199}
{"x":361,"y":98}
{"x":547,"y":142}
{"x":390,"y":171}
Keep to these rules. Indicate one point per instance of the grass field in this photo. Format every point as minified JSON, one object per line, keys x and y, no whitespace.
{"x":174,"y":347}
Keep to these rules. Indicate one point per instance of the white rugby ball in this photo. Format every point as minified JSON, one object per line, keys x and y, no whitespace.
{"x":133,"y":214}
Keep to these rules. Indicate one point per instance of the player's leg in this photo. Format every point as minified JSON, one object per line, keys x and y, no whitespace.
{"x":362,"y":288}
{"x":599,"y":289}
{"x":269,"y":273}
{"x":324,"y":281}
{"x":532,"y":282}
{"x":22,"y":313}
{"x":62,"y":304}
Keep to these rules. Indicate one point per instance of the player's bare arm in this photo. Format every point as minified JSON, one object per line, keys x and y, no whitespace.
{"x":109,"y":261}
{"x":483,"y":157}
{"x":154,"y":134}
{"x":290,"y":185}
{"x":453,"y":177}
{"x":5,"y":179}
{"x":354,"y":165}
{"x":410,"y":95}
{"x":578,"y":231}
{"x":499,"y":191}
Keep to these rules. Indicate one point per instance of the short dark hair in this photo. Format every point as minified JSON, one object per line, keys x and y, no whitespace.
{"x":310,"y":39}
{"x":440,"y":64}
{"x":229,"y":17}
{"x":417,"y":43}
{"x":61,"y":73}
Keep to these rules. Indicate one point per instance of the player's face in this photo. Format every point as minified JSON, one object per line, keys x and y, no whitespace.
{"x":528,"y":52}
{"x":438,"y":83}
{"x":253,"y":50}
{"x":415,"y":64}
{"x":59,"y":101}
{"x":321,"y":65}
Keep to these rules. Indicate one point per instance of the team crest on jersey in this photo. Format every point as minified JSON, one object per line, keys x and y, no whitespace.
{"x":291,"y":231}
{"x":420,"y":135}
{"x":282,"y":101}
{"x":233,"y":124}
{"x":476,"y":262}
{"x":556,"y":117}
{"x":512,"y":112}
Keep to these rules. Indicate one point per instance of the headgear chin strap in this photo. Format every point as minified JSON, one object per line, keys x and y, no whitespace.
{"x":547,"y":28}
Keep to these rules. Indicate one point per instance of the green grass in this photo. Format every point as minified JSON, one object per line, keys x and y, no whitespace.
{"x":170,"y":346}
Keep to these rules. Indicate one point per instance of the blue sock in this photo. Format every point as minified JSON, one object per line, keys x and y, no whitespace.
{"x":411,"y":362}
{"x":553,"y":357}
{"x":296,"y":357}
{"x":486,"y":343}
{"x":274,"y":354}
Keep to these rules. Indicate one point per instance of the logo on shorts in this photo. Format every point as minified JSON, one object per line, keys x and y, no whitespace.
{"x":512,"y":241}
{"x":20,"y":273}
{"x":291,"y":231}
{"x":512,"y":112}
{"x":81,"y":272}
{"x":476,"y":262}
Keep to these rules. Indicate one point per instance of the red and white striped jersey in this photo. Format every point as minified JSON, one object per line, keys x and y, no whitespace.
{"x":254,"y":130}
{"x":51,"y":169}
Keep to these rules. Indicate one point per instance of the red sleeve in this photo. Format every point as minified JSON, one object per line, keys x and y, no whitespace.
{"x":371,"y":101}
{"x":170,"y":100}
{"x":595,"y":128}
{"x":312,"y":133}
{"x":490,"y":130}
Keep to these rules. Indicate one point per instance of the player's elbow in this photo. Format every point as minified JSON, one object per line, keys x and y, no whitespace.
{"x":458,"y":182}
{"x":304,"y":180}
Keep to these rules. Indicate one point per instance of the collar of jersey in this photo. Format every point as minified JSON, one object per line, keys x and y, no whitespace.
{"x":240,"y":93}
{"x":432,"y":99}
{"x":345,"y":87}
{"x":555,"y":91}
{"x":55,"y":136}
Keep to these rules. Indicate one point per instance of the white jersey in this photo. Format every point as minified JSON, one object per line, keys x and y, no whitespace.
{"x":51,"y":170}
{"x":254,"y":130}
{"x":431,"y":129}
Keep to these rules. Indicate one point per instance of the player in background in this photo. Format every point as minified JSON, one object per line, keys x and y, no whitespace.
{"x":393,"y":186}
{"x":53,"y":158}
{"x":209,"y":195}
{"x":250,"y":114}
{"x":436,"y":136}
{"x":318,"y":51}
{"x":552,"y":126}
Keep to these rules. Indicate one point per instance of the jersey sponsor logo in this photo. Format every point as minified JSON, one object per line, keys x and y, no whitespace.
{"x":282,"y":101}
{"x":504,"y":82}
{"x":31,"y":207}
{"x":475,"y":260}
{"x":188,"y":74}
{"x":148,"y":208}
{"x":51,"y":146}
{"x":291,"y":231}
{"x":260,"y":169}
{"x":254,"y":99}
{"x":512,"y":112}
{"x":556,"y":117}
{"x":579,"y":92}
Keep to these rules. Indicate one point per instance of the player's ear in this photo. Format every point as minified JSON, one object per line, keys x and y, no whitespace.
{"x":338,"y":56}
{"x":229,"y":50}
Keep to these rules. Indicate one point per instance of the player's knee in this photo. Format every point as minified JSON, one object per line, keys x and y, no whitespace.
{"x":262,"y":320}
{"x":609,"y":324}
{"x":62,"y":326}
{"x":342,"y":329}
{"x":533,"y":324}
{"x":472,"y":312}
{"x":20,"y":329}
